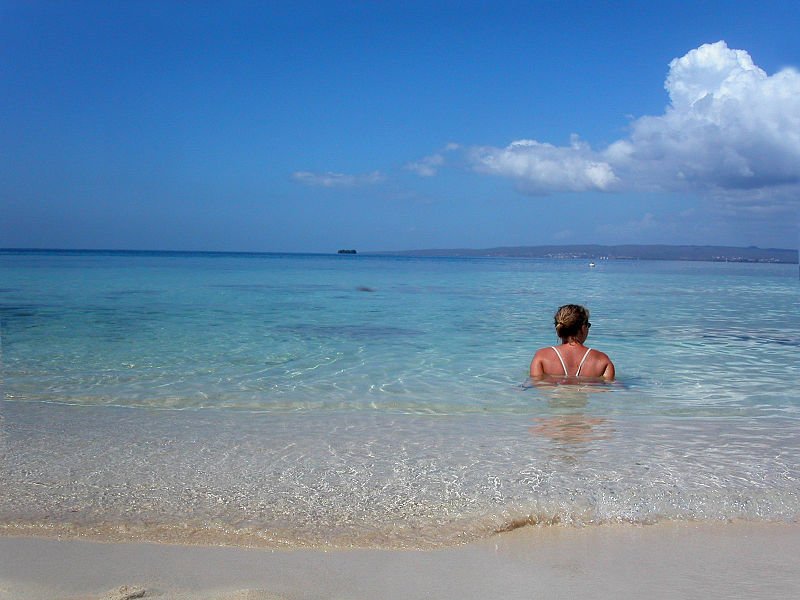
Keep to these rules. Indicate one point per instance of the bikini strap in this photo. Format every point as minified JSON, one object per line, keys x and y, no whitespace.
{"x":583,"y":360}
{"x":563,"y":364}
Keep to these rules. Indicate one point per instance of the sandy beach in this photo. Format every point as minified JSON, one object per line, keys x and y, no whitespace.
{"x":672,"y":560}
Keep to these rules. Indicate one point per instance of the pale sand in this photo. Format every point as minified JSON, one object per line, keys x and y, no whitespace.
{"x":675,"y":561}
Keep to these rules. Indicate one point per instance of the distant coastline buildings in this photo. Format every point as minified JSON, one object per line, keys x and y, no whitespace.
{"x":592,"y":252}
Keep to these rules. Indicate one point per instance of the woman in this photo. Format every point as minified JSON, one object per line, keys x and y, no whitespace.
{"x":572,"y":358}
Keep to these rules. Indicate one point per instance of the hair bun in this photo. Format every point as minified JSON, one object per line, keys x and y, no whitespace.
{"x":569,"y":319}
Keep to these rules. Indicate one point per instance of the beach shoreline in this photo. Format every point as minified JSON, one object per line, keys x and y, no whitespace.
{"x":665,"y":560}
{"x":372,"y":444}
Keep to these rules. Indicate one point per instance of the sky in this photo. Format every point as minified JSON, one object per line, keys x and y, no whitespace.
{"x":313,"y":126}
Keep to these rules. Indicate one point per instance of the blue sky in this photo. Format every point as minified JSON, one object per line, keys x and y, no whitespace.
{"x":313,"y":126}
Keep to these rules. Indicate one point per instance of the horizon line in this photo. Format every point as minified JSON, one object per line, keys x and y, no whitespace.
{"x":384,"y":251}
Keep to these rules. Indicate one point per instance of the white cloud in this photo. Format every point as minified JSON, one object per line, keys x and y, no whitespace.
{"x":429,"y":166}
{"x":331,"y":180}
{"x":541,"y":168}
{"x":729,"y":126}
{"x":730,"y":131}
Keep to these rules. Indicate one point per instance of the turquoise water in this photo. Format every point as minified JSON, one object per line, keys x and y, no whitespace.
{"x":314,"y":400}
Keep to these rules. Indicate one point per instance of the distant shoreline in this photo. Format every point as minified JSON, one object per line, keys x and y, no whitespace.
{"x":750,"y":254}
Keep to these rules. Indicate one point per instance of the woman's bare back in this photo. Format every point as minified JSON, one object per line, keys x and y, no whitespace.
{"x":578,"y":360}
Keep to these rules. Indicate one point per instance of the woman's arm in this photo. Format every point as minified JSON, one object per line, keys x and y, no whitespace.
{"x":537,"y":365}
{"x":610,"y":372}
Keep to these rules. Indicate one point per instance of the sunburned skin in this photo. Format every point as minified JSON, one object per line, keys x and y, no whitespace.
{"x":579,"y":361}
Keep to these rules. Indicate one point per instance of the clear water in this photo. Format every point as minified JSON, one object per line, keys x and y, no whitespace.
{"x":384,"y":401}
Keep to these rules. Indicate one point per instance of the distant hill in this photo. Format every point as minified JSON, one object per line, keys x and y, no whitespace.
{"x":621,"y":252}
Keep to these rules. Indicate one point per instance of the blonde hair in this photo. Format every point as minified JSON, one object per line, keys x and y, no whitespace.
{"x":569,"y":319}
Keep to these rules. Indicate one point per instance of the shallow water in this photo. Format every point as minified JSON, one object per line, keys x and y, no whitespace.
{"x":315,"y":400}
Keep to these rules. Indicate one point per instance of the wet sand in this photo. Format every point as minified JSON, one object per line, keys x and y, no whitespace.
{"x":671,"y":560}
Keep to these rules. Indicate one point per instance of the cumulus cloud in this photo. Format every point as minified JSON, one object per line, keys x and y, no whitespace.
{"x":541,"y":168}
{"x":730,"y":129}
{"x":331,"y":180}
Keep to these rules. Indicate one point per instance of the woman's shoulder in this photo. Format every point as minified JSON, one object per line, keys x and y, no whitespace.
{"x":546,"y":352}
{"x":598,"y":355}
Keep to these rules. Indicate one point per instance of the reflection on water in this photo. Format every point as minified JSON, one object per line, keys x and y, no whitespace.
{"x":569,"y":385}
{"x":570,"y":428}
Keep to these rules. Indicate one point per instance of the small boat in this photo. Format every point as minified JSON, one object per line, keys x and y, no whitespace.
{"x":592,"y":265}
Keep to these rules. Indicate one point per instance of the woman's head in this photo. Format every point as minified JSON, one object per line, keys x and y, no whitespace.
{"x":569,"y":320}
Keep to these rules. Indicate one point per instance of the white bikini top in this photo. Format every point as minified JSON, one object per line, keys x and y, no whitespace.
{"x":563,"y":364}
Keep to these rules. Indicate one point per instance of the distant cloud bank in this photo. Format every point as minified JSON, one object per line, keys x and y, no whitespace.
{"x":332,"y":180}
{"x":730,"y":129}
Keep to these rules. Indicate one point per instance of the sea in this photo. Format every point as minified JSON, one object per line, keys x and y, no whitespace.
{"x":307,"y":400}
